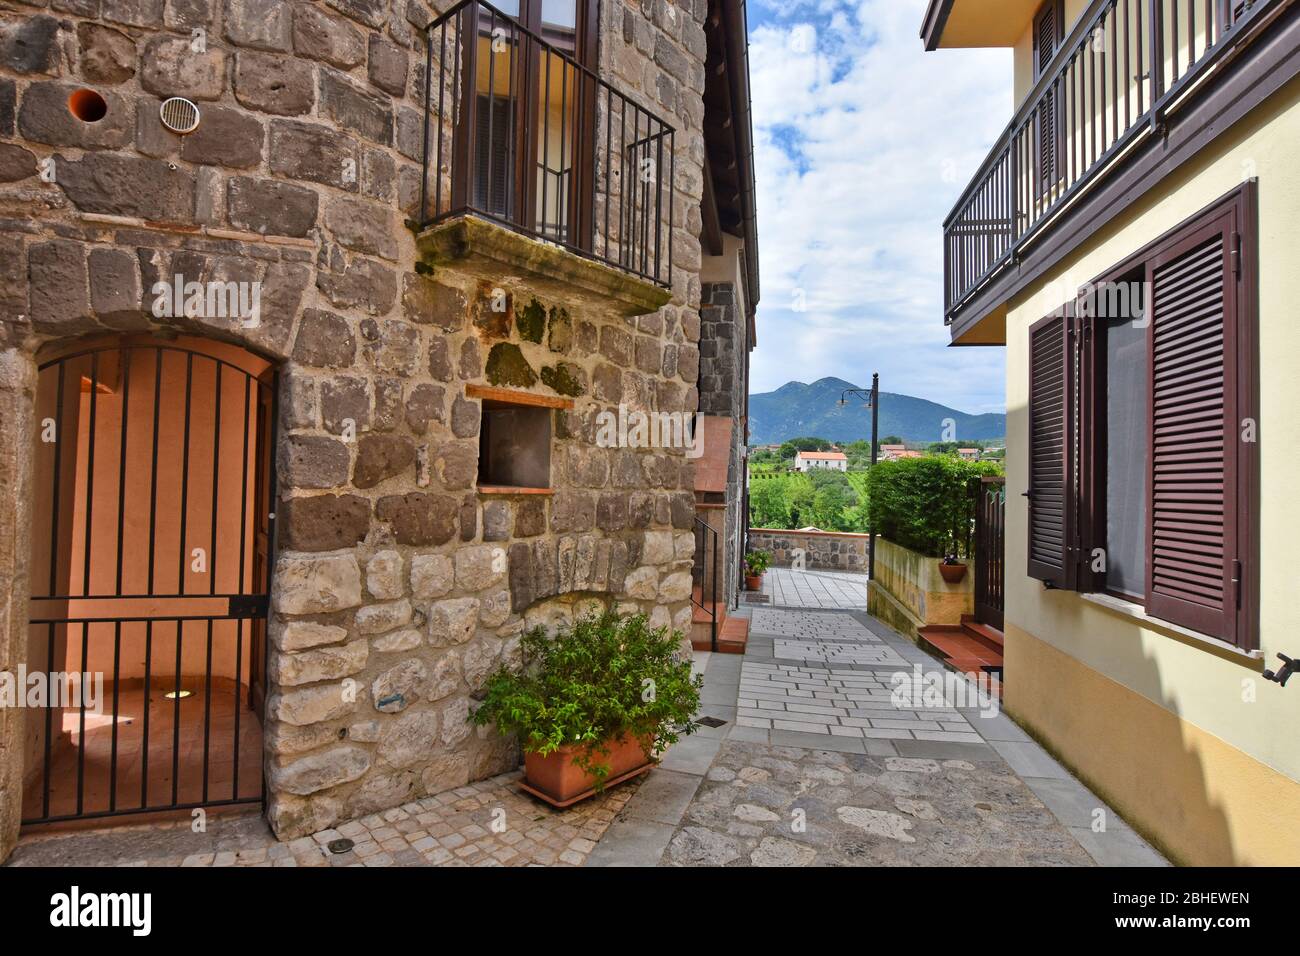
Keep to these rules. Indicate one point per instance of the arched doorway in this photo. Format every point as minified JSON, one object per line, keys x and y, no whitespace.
{"x":150,"y":567}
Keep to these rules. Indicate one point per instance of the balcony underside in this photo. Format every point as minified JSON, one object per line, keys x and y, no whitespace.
{"x":953,"y":24}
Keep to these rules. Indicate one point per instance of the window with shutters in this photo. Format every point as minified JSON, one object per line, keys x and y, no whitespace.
{"x":1141,"y":411}
{"x":1052,"y":446}
{"x":1049,"y":32}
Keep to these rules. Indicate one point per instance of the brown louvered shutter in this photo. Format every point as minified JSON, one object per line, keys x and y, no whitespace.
{"x":1192,"y":555}
{"x":1052,"y":437}
{"x":1047,"y":37}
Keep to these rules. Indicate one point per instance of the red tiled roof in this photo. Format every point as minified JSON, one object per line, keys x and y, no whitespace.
{"x":824,"y":455}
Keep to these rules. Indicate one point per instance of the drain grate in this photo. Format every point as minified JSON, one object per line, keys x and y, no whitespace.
{"x":711,"y":721}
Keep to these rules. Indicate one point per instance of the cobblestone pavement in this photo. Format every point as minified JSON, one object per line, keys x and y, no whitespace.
{"x":822,"y":589}
{"x":490,"y":823}
{"x":859,"y":751}
{"x":786,"y":806}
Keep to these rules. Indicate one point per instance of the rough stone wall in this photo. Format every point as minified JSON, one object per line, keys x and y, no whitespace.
{"x":397,"y":587}
{"x":723,"y":347}
{"x":724,"y":383}
{"x":835,"y":551}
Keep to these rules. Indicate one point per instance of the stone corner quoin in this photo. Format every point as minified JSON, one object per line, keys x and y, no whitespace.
{"x":397,"y":587}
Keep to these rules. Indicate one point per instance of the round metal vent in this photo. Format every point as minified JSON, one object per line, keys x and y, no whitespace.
{"x":179,"y":115}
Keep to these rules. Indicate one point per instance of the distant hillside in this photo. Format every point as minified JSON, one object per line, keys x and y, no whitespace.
{"x":796,"y":409}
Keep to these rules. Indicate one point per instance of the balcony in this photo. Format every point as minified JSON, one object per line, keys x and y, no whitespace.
{"x":1121,"y":73}
{"x":521,"y":135}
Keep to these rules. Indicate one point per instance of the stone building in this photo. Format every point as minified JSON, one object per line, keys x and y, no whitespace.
{"x":730,"y":294}
{"x":314,"y":319}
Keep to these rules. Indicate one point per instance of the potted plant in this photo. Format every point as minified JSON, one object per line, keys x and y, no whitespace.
{"x":756,"y":563}
{"x":594,"y":705}
{"x":951,"y":569}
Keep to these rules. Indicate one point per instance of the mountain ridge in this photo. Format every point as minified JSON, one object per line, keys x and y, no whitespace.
{"x":811,"y":409}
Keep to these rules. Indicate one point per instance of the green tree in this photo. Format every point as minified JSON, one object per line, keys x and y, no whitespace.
{"x":858,"y":517}
{"x":768,"y":506}
{"x":804,"y":443}
{"x":801,"y":494}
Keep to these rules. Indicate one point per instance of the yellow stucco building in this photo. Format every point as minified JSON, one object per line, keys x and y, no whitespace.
{"x":1132,"y":242}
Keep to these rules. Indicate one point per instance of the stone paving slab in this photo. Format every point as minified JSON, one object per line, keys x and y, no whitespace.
{"x":816,"y":588}
{"x":489,"y":823}
{"x":811,"y":625}
{"x":785,"y":806}
{"x":832,"y":652}
{"x":841,"y":702}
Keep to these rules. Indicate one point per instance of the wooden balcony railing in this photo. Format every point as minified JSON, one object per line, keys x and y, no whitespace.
{"x":1121,"y":71}
{"x":517,"y":131}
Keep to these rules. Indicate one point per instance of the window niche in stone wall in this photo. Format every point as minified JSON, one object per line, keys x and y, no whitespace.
{"x":515,"y":435}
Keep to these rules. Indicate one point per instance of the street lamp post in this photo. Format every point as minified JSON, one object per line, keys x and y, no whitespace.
{"x":873,"y":403}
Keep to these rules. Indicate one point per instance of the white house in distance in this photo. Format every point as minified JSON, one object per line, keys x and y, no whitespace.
{"x":811,"y":460}
{"x":892,"y":452}
{"x":969,"y":454}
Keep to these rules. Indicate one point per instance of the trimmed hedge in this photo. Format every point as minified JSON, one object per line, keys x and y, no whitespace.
{"x":928,"y":504}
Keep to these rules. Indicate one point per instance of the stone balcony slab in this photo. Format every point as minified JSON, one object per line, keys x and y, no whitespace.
{"x":492,"y":253}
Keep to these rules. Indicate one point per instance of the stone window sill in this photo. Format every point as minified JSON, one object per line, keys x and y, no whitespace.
{"x":512,"y":490}
{"x":489,"y":252}
{"x":1137,"y":613}
{"x":509,"y":396}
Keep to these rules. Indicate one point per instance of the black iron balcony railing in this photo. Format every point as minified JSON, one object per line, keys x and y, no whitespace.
{"x":518,"y":132}
{"x":1121,"y":71}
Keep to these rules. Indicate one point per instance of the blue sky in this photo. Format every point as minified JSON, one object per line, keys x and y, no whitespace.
{"x":863,"y":143}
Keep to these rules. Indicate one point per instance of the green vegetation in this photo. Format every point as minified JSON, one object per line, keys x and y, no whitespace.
{"x":757,"y":561}
{"x":950,"y":447}
{"x":928,"y":504}
{"x":782,"y":498}
{"x":829,"y":500}
{"x":593,"y":683}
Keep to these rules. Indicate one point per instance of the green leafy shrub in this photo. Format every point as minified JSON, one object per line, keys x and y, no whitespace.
{"x":927,"y":504}
{"x":594,"y":683}
{"x":768,"y":505}
{"x":757,"y":561}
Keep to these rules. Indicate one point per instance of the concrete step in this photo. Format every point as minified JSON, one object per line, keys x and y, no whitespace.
{"x":985,"y":632}
{"x":733,"y":635}
{"x":963,"y":649}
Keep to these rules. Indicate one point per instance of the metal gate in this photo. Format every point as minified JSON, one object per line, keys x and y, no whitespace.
{"x":150,"y":573}
{"x":990,"y":551}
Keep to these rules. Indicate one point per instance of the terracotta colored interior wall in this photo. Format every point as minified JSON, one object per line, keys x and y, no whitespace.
{"x":235,"y":476}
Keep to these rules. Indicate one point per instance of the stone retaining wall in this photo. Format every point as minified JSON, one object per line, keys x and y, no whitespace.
{"x":908,"y":592}
{"x":836,"y":551}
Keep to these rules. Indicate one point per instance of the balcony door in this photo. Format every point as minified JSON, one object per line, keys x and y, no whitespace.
{"x":533,"y":117}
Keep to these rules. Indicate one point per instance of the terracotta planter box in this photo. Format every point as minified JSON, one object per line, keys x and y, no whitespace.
{"x":558,"y":780}
{"x":754,"y":582}
{"x":952,"y":573}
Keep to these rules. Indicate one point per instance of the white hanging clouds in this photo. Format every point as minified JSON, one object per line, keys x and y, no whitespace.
{"x":863,"y":143}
